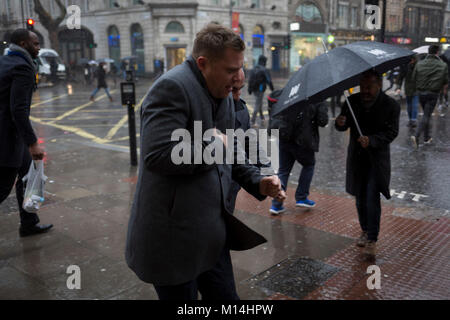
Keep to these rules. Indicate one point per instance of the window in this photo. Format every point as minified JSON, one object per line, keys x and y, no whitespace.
{"x":447,"y":28}
{"x":343,"y":15}
{"x":354,"y":17}
{"x":30,"y":8}
{"x":256,"y":3}
{"x":308,"y":12}
{"x":174,"y":27}
{"x":448,"y":5}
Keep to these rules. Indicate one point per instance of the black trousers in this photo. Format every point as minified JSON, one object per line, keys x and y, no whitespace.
{"x":368,"y":205}
{"x":214,"y":285}
{"x":7,"y":178}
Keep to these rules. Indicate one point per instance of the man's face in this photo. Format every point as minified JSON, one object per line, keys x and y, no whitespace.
{"x":370,"y":87}
{"x":223,"y":73}
{"x":32,"y":45}
{"x":238,"y":86}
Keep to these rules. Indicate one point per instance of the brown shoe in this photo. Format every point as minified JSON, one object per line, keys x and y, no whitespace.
{"x":92,"y":99}
{"x":362,"y":241}
{"x":370,"y":249}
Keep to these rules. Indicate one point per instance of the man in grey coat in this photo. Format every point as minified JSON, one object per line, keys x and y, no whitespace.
{"x":178,"y":235}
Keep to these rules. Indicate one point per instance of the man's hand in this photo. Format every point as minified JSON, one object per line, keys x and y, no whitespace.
{"x":364,"y":141}
{"x":221,"y":136}
{"x":341,"y":120}
{"x":271,"y":186}
{"x":37,"y":152}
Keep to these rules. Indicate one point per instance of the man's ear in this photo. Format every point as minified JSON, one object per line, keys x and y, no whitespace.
{"x":201,"y":63}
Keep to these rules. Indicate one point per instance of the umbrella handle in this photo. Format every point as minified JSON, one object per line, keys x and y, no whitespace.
{"x":351,"y":111}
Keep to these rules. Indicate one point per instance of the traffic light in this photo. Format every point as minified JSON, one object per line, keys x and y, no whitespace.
{"x":288,"y":42}
{"x":30,"y":24}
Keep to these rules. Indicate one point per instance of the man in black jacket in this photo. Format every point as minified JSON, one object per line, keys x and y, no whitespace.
{"x":259,"y":79}
{"x":300,"y":143}
{"x":18,"y":143}
{"x":100,"y":73}
{"x":368,"y":158}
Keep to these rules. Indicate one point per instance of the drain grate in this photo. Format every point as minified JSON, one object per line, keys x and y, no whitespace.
{"x":295,"y":277}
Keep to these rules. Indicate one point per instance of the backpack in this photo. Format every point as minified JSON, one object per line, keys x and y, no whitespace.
{"x":257,"y":77}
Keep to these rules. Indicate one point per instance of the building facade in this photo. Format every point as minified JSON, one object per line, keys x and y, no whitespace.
{"x":156,"y":30}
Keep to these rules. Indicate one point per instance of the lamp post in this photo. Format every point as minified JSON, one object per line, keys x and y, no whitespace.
{"x":383,"y":22}
{"x":231,"y":13}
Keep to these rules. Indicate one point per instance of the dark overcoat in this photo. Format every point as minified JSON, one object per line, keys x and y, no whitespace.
{"x":17,"y":83}
{"x":380,"y":124}
{"x":177,"y":227}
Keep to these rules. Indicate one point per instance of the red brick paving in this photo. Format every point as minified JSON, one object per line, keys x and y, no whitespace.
{"x":413,"y":255}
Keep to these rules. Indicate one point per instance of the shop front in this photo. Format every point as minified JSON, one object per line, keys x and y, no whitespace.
{"x":305,"y":47}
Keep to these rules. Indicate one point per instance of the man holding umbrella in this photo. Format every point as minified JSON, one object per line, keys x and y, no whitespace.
{"x":368,"y":158}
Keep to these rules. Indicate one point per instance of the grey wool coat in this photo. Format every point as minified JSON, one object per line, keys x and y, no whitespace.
{"x":177,"y":229}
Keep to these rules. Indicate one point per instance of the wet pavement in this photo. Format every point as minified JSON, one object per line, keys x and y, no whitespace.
{"x":310,"y":253}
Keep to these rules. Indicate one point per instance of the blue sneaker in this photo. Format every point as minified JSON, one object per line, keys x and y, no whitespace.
{"x":305,"y":203}
{"x":277,"y":209}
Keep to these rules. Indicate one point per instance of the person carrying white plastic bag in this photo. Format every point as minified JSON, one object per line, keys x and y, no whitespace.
{"x":34,"y":192}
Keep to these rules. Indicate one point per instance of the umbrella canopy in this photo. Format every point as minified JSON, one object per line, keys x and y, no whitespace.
{"x":93,"y":62}
{"x":337,"y":70}
{"x":107,"y":60}
{"x":421,"y":50}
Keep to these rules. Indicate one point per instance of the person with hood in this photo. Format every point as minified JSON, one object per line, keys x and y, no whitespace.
{"x":18,"y":142}
{"x":259,"y":79}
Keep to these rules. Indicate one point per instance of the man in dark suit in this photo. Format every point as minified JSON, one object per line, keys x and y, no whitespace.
{"x":368,"y":158}
{"x":18,"y":143}
{"x":179,"y":232}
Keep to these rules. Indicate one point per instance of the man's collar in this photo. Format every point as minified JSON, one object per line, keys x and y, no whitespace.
{"x":198,"y":74}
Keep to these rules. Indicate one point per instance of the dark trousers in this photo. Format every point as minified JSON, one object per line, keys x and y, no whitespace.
{"x":215,"y":284}
{"x":428,"y":102}
{"x":368,"y":205}
{"x":7,"y":178}
{"x":289,"y":152}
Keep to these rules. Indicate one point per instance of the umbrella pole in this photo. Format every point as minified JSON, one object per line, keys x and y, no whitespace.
{"x":351,"y":111}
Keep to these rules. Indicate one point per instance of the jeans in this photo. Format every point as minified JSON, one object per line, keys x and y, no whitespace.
{"x":215,"y":284}
{"x":97,"y":89}
{"x":368,"y":205}
{"x":289,"y":152}
{"x":258,"y":105}
{"x":7,"y":178}
{"x":412,"y":103}
{"x":428,"y":102}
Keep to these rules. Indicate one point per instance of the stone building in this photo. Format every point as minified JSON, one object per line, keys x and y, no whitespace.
{"x":156,"y":29}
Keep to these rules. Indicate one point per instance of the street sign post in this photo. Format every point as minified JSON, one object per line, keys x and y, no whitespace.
{"x":128,"y":93}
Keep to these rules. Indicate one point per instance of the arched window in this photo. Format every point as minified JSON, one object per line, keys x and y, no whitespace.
{"x":258,"y":43}
{"x":137,"y":46}
{"x":114,"y":43}
{"x":308,"y":12}
{"x":174,"y":27}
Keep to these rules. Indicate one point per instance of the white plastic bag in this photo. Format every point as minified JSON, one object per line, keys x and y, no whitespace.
{"x":34,"y":192}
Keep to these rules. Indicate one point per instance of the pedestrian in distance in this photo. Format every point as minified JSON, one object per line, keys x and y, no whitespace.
{"x":412,"y":99}
{"x":179,"y":230}
{"x":430,"y":76}
{"x":100,"y":74}
{"x":18,"y":142}
{"x":368,"y":157}
{"x":259,"y":80}
{"x":299,"y":141}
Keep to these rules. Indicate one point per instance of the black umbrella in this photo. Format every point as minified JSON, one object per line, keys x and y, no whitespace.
{"x":446,"y":54}
{"x":337,"y":70}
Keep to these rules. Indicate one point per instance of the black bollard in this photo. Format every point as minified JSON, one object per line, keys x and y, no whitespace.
{"x":129,"y":99}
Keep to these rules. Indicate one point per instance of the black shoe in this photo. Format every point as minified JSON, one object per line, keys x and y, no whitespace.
{"x":36,"y":229}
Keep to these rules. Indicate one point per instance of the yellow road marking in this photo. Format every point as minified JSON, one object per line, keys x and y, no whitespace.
{"x":68,"y":113}
{"x":49,"y":100}
{"x":121,"y":122}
